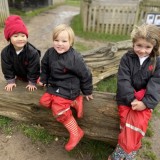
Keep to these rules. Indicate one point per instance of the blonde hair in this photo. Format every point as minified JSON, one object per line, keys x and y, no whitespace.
{"x":151,"y":33}
{"x":63,"y":27}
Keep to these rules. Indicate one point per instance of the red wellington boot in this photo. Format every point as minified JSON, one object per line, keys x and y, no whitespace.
{"x":78,"y":105}
{"x":76,"y":133}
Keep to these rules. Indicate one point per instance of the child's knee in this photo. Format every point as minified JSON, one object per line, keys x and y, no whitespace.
{"x":46,"y":100}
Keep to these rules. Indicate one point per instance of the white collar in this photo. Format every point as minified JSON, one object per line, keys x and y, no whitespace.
{"x":142,"y":59}
{"x":18,"y":52}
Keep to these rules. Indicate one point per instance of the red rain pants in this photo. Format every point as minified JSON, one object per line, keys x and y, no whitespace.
{"x":60,"y":106}
{"x":133,"y":125}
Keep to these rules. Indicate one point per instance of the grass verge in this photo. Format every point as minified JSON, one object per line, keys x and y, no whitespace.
{"x":34,"y":132}
{"x":92,"y":150}
{"x":5,"y":125}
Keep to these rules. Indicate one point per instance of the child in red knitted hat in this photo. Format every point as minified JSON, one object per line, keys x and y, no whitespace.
{"x":19,"y":59}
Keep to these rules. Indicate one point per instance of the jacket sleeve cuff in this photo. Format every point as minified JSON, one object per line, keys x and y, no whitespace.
{"x":31,"y":83}
{"x":9,"y":81}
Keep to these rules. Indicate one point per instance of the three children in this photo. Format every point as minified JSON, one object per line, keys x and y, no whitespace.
{"x":65,"y":74}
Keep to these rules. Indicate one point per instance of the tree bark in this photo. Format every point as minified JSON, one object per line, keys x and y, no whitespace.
{"x":100,"y":120}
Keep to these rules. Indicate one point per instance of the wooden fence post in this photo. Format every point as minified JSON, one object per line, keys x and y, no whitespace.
{"x":4,"y":11}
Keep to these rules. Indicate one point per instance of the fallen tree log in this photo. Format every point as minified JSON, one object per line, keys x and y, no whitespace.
{"x":104,"y":61}
{"x":100,"y":119}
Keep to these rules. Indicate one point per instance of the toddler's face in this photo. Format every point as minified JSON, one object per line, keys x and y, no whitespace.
{"x":18,"y":40}
{"x":142,"y":47}
{"x":61,"y":44}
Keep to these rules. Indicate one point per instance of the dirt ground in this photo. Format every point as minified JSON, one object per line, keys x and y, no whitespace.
{"x":18,"y":146}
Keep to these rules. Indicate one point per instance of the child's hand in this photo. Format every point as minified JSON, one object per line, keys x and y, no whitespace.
{"x":138,"y":105}
{"x":31,"y":87}
{"x":9,"y":87}
{"x":41,"y":84}
{"x":89,"y":97}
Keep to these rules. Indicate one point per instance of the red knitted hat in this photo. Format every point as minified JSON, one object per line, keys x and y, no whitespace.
{"x":14,"y":24}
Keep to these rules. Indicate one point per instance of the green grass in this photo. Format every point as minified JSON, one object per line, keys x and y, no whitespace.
{"x":92,"y":149}
{"x":36,"y":133}
{"x":146,"y":144}
{"x":149,"y":132}
{"x":5,"y":125}
{"x":107,"y":85}
{"x":4,"y":122}
{"x":27,"y":15}
{"x":149,"y":155}
{"x":156,"y":111}
{"x":80,"y":46}
{"x":73,"y":2}
{"x":146,"y":153}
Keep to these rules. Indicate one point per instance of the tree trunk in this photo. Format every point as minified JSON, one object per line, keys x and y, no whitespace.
{"x":100,"y":119}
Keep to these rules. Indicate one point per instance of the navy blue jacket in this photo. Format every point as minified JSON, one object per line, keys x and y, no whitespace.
{"x":25,"y":65}
{"x":132,"y":76}
{"x":65,"y":74}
